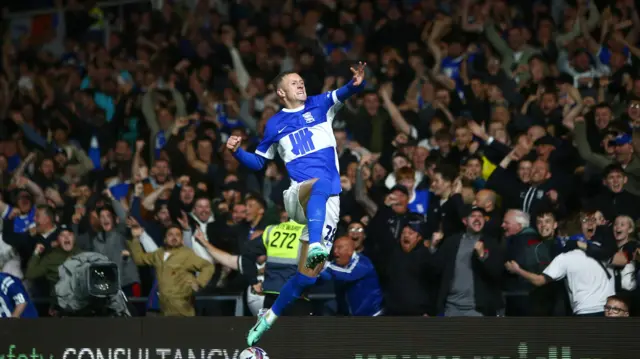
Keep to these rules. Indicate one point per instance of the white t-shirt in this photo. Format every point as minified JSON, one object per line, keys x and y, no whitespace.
{"x":587,"y":283}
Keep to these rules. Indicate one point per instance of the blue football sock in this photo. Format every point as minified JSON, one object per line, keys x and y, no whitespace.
{"x":291,"y":291}
{"x":317,"y":209}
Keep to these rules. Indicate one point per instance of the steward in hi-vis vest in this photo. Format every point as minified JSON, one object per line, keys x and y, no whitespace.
{"x":281,"y":245}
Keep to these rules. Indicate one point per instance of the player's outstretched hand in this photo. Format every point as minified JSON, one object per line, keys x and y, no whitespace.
{"x":358,"y":73}
{"x":233,"y":143}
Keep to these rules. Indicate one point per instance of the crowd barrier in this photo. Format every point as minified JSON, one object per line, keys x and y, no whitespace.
{"x":322,"y":337}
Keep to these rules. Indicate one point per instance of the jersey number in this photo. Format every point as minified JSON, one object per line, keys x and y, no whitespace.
{"x":276,"y":237}
{"x":5,"y":312}
{"x":331,"y":233}
{"x":301,"y":142}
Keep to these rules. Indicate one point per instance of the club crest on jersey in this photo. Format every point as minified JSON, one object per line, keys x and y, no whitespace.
{"x":308,"y":117}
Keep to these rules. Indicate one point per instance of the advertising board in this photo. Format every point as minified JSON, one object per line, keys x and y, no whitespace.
{"x":323,"y":337}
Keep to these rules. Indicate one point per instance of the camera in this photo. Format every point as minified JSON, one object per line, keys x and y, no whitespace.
{"x":89,"y":285}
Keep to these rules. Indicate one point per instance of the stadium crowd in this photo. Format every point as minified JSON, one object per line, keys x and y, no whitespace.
{"x":491,"y":166}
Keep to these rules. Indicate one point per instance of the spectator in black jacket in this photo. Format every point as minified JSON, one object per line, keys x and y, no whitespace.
{"x":615,"y":200}
{"x":385,"y":228}
{"x":552,"y":297}
{"x":486,"y":199}
{"x":409,"y":282}
{"x":521,"y":242}
{"x":470,"y":267}
{"x":539,"y":192}
{"x":446,"y":205}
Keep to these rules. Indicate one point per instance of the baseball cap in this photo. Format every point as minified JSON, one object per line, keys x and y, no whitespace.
{"x":64,"y":228}
{"x":400,"y":188}
{"x":622,"y":139}
{"x":416,"y":223}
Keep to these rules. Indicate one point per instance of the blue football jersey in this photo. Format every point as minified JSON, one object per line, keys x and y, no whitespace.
{"x":12,"y":294}
{"x":303,"y":137}
{"x":452,"y":67}
{"x":22,"y":223}
{"x":420,"y":202}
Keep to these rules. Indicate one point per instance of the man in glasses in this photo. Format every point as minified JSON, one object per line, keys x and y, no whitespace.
{"x":356,"y":233}
{"x":616,"y":306}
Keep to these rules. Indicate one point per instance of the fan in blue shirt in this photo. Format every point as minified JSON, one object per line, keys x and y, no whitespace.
{"x":14,"y":299}
{"x":26,"y":219}
{"x":358,"y":291}
{"x":418,"y":198}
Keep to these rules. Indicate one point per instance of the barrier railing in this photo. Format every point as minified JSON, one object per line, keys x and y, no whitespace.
{"x":239,"y":302}
{"x":237,"y":298}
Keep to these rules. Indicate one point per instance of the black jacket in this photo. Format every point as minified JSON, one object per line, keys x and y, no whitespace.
{"x":493,"y":224}
{"x":25,"y":243}
{"x":487,"y":274}
{"x":382,"y":237}
{"x":614,"y":204}
{"x":409,"y":282}
{"x":447,"y":217}
{"x":523,"y":248}
{"x":522,"y":196}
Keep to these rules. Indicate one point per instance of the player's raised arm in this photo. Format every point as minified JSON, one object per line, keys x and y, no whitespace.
{"x":250,"y":160}
{"x":355,"y":85}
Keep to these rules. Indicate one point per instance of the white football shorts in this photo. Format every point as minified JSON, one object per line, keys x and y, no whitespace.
{"x":297,"y":213}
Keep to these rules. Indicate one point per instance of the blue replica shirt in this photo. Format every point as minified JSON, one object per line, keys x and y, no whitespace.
{"x":452,"y":67}
{"x":303,"y":137}
{"x":22,"y":223}
{"x":356,"y":285}
{"x":12,"y":294}
{"x":420,"y":202}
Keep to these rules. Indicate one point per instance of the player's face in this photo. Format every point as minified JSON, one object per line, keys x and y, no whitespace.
{"x":292,"y":89}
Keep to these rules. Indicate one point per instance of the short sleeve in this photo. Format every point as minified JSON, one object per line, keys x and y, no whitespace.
{"x":557,"y":269}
